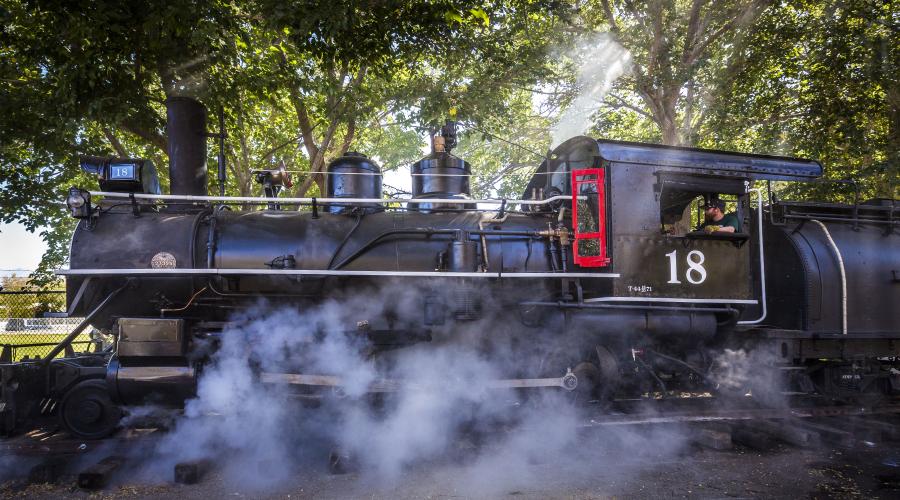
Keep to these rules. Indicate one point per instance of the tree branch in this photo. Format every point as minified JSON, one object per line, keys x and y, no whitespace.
{"x":687,"y":121}
{"x":657,"y":44}
{"x":114,"y":142}
{"x":610,"y":17}
{"x":131,"y":125}
{"x":693,"y":31}
{"x":348,"y":137}
{"x":730,"y":24}
{"x":267,"y":156}
{"x":241,"y":172}
{"x":625,"y":104}
{"x":304,"y":124}
{"x":242,"y":137}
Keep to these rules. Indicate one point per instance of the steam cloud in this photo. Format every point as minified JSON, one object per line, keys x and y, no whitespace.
{"x":259,"y":436}
{"x":486,"y":442}
{"x":753,"y":370}
{"x":602,"y":60}
{"x":250,"y":427}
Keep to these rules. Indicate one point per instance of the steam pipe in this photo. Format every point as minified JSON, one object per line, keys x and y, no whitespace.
{"x":211,"y":241}
{"x":391,"y":232}
{"x":840,"y":261}
{"x":553,"y":256}
{"x":498,"y":219}
{"x":504,"y":232}
{"x":429,"y":231}
{"x":340,"y":247}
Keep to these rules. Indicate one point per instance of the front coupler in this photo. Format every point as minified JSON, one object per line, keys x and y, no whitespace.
{"x":22,"y":390}
{"x":30,"y":390}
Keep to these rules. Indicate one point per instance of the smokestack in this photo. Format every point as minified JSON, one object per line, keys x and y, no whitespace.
{"x":186,"y":128}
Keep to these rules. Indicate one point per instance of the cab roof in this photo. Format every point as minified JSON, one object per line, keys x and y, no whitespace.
{"x":757,"y":166}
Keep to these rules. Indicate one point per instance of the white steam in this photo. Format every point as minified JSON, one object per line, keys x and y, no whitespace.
{"x":750,"y":370}
{"x":260,"y":436}
{"x":601,"y":61}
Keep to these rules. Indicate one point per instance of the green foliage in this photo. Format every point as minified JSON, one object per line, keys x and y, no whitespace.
{"x":805,"y":78}
{"x":820,"y":81}
{"x":506,"y":148}
{"x":27,"y":305}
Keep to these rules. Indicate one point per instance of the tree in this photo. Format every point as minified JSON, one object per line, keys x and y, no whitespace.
{"x":677,"y":50}
{"x":72,"y":75}
{"x":468,"y":58}
{"x":297,"y":82}
{"x":820,"y":80}
{"x":804,"y":78}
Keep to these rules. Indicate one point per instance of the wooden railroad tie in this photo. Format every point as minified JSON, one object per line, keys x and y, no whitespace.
{"x":97,"y":476}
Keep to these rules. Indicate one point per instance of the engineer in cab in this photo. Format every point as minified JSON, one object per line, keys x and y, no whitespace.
{"x":716,"y":221}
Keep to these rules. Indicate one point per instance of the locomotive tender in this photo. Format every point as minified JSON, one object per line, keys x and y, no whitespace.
{"x":595,"y":280}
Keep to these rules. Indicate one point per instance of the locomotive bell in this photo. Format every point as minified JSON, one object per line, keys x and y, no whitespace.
{"x":353,"y":175}
{"x":275,"y":179}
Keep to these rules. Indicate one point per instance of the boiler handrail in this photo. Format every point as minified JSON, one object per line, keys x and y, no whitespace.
{"x":300,"y":201}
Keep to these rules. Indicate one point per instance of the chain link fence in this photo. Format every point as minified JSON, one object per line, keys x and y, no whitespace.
{"x":31,"y":324}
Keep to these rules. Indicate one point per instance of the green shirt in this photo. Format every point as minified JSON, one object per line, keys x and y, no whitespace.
{"x":730,"y":219}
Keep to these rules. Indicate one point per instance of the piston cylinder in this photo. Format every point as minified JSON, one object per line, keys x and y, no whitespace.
{"x":156,"y":384}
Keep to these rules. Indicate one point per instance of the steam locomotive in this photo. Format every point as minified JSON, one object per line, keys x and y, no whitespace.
{"x":593,"y":282}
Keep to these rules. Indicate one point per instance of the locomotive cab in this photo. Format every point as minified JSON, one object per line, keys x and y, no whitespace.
{"x":659,"y":248}
{"x":636,"y":214}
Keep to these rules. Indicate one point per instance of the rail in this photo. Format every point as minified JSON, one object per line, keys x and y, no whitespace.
{"x":320,"y":272}
{"x":302,"y":201}
{"x":762,"y":262}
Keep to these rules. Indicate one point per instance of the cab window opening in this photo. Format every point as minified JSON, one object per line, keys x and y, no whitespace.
{"x":683,"y":212}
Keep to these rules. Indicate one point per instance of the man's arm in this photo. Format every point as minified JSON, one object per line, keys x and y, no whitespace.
{"x":713,"y":228}
{"x":729,"y":224}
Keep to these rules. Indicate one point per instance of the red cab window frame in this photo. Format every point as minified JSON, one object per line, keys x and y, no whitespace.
{"x":581,"y":177}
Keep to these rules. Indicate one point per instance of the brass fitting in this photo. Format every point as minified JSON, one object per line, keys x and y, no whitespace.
{"x":561,"y":233}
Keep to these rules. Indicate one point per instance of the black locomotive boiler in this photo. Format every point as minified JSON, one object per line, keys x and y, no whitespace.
{"x":596,"y":280}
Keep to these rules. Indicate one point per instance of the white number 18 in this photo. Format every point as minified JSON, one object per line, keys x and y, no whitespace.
{"x":695,"y":273}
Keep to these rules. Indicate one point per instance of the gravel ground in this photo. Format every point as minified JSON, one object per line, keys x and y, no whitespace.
{"x":865,"y":471}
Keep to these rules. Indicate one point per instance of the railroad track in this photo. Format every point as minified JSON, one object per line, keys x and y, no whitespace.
{"x":740,"y":414}
{"x":703,"y":425}
{"x":48,"y":442}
